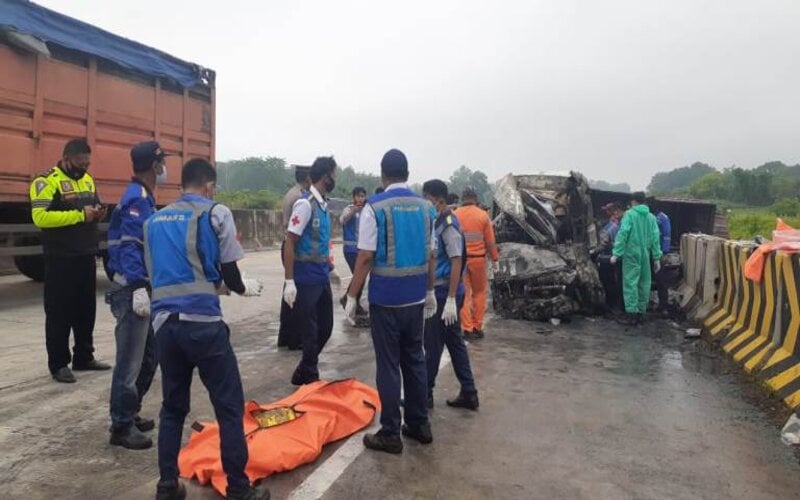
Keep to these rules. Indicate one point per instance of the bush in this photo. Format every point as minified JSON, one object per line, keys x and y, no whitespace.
{"x":263,"y":199}
{"x":786,"y":207}
{"x":747,"y":224}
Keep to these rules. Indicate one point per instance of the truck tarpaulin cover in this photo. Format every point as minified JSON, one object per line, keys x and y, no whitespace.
{"x":49,"y":26}
{"x":285,"y":434}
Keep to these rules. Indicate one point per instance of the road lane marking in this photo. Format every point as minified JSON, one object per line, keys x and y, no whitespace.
{"x":326,"y":474}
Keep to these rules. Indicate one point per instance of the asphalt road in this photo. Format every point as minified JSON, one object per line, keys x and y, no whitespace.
{"x":581,"y":410}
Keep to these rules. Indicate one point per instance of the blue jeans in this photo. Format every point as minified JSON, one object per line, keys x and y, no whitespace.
{"x":182,"y":346}
{"x":313,"y":318}
{"x":437,"y":336}
{"x":397,"y":338}
{"x":136,"y":358}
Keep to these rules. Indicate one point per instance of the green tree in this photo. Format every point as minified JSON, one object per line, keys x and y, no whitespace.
{"x":622,"y":187}
{"x":463,"y":177}
{"x":270,"y":173}
{"x":679,"y":178}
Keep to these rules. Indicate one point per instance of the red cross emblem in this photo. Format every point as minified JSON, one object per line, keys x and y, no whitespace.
{"x":295,"y":220}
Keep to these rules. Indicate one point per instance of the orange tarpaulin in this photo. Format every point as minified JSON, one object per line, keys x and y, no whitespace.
{"x":785,"y":239}
{"x":286,"y":434}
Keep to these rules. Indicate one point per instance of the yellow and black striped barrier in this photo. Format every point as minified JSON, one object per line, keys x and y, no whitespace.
{"x":728,"y":299}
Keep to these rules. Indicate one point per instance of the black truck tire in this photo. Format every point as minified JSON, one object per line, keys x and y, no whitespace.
{"x":32,"y":266}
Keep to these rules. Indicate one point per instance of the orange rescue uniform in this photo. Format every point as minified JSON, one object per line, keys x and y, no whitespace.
{"x":479,"y":236}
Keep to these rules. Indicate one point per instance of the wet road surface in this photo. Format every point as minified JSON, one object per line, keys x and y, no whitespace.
{"x":581,"y":410}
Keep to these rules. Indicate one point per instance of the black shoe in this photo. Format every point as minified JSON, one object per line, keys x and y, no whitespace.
{"x":64,"y":375}
{"x":468,"y":334}
{"x":422,"y":434}
{"x":298,"y":347}
{"x":628,"y":319}
{"x":640,"y":319}
{"x":91,"y":366}
{"x":390,"y":443}
{"x":465,"y":400}
{"x":343,"y":301}
{"x":477,"y":334}
{"x":251,"y":493}
{"x":131,"y":438}
{"x":170,"y":490}
{"x":430,"y":401}
{"x":298,"y":380}
{"x":144,"y":424}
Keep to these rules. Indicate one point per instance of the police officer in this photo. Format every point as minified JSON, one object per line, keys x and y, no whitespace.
{"x":288,"y":335}
{"x":190,"y":250}
{"x":349,"y":219}
{"x":395,"y":245}
{"x":444,"y":328}
{"x":307,"y":288}
{"x":65,"y":206}
{"x":130,"y":301}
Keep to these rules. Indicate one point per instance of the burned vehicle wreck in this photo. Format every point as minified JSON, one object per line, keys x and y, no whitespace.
{"x":545,"y":229}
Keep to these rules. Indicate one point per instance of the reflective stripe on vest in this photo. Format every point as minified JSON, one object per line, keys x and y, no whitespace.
{"x":390,"y":270}
{"x":200,"y":285}
{"x":314,"y":254}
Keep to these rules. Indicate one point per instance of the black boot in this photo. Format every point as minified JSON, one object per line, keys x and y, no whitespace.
{"x":380,"y":441}
{"x":64,"y":375}
{"x":468,"y":400}
{"x":91,"y":366}
{"x":422,"y":433}
{"x":628,"y":319}
{"x":170,"y":490}
{"x":251,"y":493}
{"x":144,"y":424}
{"x":130,"y":438}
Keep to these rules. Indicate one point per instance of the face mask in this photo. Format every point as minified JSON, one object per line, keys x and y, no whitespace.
{"x":330,"y":185}
{"x":76,"y":172}
{"x":162,"y":177}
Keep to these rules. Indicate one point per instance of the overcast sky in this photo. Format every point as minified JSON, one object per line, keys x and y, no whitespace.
{"x":617,"y":89}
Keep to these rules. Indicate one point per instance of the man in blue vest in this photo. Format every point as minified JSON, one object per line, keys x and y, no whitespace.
{"x":350,"y":217}
{"x":307,"y":287}
{"x":395,"y":245}
{"x":130,"y":301}
{"x":444,"y":329}
{"x":191,"y":250}
{"x":663,"y":275}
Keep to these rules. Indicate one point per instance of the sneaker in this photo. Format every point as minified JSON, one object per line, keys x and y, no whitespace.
{"x":380,"y":441}
{"x":91,"y":366}
{"x":422,"y":433}
{"x":343,"y":301}
{"x":628,"y":319}
{"x":64,"y":375}
{"x":477,"y":334}
{"x":465,"y":400}
{"x":251,"y":493}
{"x":468,"y":334}
{"x":144,"y":424}
{"x":131,"y":438}
{"x":170,"y":490}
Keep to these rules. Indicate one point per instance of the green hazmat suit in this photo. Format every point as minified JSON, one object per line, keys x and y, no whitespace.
{"x":637,"y":242}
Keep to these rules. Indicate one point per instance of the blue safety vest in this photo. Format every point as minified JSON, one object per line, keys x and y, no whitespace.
{"x":182,"y":254}
{"x":400,"y":268}
{"x":311,"y":264}
{"x":350,"y":234}
{"x":665,"y":229}
{"x":444,"y":267}
{"x":125,"y":235}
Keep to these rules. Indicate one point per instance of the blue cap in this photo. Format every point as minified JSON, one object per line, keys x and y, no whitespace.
{"x":144,"y":154}
{"x":394,"y":164}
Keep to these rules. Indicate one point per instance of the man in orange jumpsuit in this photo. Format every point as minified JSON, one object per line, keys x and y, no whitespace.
{"x":479,"y":236}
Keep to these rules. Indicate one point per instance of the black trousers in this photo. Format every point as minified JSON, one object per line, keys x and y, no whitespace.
{"x":70,"y":304}
{"x":313,"y":318}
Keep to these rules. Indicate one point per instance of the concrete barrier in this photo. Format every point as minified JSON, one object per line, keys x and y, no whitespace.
{"x":724,"y":314}
{"x":700,"y":287}
{"x":264,"y":228}
{"x":687,"y":291}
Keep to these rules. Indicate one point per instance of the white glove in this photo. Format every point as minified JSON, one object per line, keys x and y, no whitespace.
{"x":289,"y":293}
{"x":430,"y":304}
{"x":252,"y":287}
{"x":613,"y":259}
{"x":657,"y":266}
{"x":141,"y":303}
{"x":450,"y":313}
{"x":350,"y":310}
{"x":495,"y":267}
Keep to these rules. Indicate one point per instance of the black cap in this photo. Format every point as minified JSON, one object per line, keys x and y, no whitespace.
{"x":144,"y":154}
{"x":394,"y":164}
{"x":469,"y":193}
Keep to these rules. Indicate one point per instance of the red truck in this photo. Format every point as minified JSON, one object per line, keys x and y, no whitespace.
{"x":62,"y":78}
